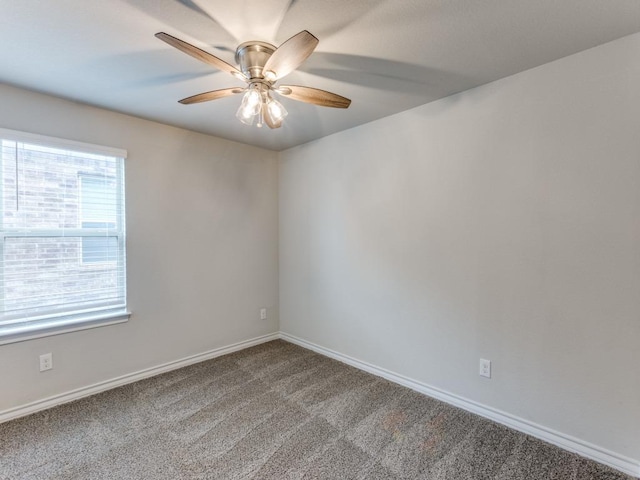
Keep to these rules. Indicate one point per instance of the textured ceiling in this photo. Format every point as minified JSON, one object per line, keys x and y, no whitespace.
{"x":386,"y":55}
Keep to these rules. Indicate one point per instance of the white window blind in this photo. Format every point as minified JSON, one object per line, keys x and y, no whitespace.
{"x":63,"y":231}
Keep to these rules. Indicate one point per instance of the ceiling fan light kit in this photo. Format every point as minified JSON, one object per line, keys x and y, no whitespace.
{"x":258,"y":103}
{"x":261,"y":66}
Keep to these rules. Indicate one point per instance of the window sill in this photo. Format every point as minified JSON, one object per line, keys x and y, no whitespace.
{"x":45,"y":328}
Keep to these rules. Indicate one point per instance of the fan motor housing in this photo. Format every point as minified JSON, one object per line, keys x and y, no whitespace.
{"x":252,"y":56}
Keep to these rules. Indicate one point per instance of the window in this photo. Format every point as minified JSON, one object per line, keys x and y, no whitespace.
{"x":62,"y":232}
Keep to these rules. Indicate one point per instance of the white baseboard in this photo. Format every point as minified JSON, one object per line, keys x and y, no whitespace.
{"x":78,"y":393}
{"x":567,"y":442}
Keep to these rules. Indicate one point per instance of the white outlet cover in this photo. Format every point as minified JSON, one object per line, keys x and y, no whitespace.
{"x":46,"y":362}
{"x":263,"y":314}
{"x":485,"y":368}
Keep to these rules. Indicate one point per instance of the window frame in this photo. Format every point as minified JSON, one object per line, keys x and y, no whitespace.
{"x":52,"y":324}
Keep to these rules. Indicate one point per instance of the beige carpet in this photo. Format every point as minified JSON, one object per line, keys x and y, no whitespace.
{"x":275,"y":411}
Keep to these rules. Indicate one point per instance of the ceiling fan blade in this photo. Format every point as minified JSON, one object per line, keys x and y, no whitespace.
{"x":200,"y":54}
{"x":212,"y":95}
{"x":313,"y":95}
{"x":290,"y":54}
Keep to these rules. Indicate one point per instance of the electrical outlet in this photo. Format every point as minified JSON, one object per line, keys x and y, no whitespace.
{"x":263,"y":314}
{"x":46,"y":362}
{"x":485,"y":368}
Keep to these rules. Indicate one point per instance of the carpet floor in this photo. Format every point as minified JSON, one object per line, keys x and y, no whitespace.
{"x":275,"y":411}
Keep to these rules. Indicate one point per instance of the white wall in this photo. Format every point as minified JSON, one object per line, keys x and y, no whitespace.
{"x":502,"y":223}
{"x":201,"y":247}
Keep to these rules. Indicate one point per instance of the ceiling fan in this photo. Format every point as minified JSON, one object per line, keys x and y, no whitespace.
{"x":261,"y":66}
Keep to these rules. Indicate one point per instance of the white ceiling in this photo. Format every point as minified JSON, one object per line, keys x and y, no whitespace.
{"x":386,"y":55}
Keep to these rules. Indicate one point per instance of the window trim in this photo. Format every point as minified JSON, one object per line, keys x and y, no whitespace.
{"x":15,"y":135}
{"x":20,"y":332}
{"x":65,"y":323}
